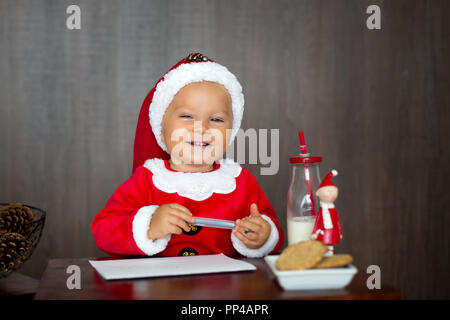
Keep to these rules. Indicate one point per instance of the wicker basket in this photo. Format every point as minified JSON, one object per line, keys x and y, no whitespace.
{"x":35,"y":228}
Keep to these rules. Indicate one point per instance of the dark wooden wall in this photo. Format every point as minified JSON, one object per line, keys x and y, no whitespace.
{"x":373,"y":103}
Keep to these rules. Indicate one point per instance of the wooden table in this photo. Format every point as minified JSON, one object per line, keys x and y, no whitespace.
{"x":258,"y":285}
{"x":18,"y":286}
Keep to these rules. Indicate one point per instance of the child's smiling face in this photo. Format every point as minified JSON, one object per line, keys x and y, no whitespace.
{"x":194,"y":126}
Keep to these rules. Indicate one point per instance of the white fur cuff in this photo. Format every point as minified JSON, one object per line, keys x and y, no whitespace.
{"x":265,"y":249}
{"x":141,"y":223}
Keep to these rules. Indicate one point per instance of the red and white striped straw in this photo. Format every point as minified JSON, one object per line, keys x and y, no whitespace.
{"x":307,"y":175}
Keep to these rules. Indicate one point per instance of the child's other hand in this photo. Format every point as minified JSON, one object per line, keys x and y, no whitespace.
{"x":253,"y":230}
{"x":169,"y":218}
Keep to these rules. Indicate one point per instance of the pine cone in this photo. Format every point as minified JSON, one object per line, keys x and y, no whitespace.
{"x":16,"y":218}
{"x":13,"y":250}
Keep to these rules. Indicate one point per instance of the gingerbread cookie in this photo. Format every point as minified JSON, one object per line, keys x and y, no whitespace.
{"x":301,"y":255}
{"x":334,"y":261}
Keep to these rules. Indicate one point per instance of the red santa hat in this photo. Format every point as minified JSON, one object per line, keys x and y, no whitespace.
{"x":194,"y":68}
{"x":327,"y":180}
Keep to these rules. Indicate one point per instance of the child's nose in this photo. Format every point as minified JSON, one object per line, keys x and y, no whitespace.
{"x":201,"y":127}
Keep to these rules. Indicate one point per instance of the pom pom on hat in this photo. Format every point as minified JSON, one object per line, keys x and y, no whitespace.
{"x":194,"y":68}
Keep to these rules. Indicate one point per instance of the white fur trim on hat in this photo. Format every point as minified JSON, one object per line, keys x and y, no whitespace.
{"x":187,"y":73}
{"x":141,"y":223}
{"x":265,"y":249}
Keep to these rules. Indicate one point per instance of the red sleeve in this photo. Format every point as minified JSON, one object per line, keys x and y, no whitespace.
{"x":257,"y":195}
{"x":113,"y":225}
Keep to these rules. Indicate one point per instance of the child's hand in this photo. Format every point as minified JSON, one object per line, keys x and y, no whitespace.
{"x":169,"y":218}
{"x":253,"y":230}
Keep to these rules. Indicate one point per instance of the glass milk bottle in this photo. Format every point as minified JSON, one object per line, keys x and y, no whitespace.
{"x":302,"y":202}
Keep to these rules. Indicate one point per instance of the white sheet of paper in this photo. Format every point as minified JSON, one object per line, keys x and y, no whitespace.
{"x":168,"y":266}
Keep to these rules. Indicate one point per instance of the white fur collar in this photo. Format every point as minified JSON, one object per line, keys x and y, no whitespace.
{"x":195,"y":185}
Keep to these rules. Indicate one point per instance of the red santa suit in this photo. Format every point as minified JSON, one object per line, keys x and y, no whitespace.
{"x":226,"y":192}
{"x":327,"y":228}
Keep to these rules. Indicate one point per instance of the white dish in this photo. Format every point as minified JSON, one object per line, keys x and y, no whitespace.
{"x":312,"y":279}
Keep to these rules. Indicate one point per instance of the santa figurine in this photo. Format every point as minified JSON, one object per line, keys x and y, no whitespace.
{"x":327,"y":228}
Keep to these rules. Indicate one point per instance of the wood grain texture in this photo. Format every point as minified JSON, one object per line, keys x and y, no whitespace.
{"x":18,"y":286}
{"x":264,"y":286}
{"x":374,"y":104}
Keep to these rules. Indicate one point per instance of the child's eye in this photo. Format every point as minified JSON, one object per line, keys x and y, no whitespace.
{"x":185,"y":116}
{"x":216,"y":120}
